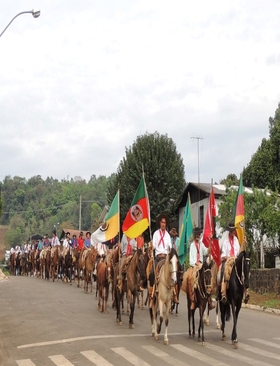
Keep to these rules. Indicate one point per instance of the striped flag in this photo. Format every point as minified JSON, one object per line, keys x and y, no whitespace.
{"x":238,"y":213}
{"x":111,"y":226}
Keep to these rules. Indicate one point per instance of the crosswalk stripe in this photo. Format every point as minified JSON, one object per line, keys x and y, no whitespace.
{"x":164,"y":356}
{"x":130,"y":357}
{"x":96,"y":358}
{"x":267,"y":343}
{"x":236,"y":355}
{"x":60,"y":360}
{"x":259,"y":351}
{"x":26,"y":362}
{"x":200,"y":356}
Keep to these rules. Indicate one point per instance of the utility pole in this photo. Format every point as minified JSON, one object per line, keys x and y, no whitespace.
{"x":198,"y":138}
{"x":80,"y":214}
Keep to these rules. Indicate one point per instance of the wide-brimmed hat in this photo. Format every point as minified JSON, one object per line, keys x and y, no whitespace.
{"x":163,"y":216}
{"x":230,"y":226}
{"x":173,"y":232}
{"x":197,"y":231}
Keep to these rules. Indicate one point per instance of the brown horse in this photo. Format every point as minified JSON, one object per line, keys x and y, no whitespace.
{"x":45,"y":262}
{"x":113,"y":259}
{"x":201,"y":295}
{"x":55,"y":261}
{"x":104,"y":278}
{"x":167,"y":278}
{"x":135,"y":272}
{"x":89,"y":266}
{"x":12,"y":264}
{"x":80,"y":266}
{"x":67,"y":266}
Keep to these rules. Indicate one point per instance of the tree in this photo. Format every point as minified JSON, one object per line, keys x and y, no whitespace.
{"x":262,"y":216}
{"x":230,"y":180}
{"x":263,"y":169}
{"x":164,"y":175}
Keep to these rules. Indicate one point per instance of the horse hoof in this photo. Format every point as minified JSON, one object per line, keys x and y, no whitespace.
{"x":207,"y":322}
{"x":218,"y":326}
{"x":153,"y":334}
{"x":203,"y":343}
{"x":198,"y":339}
{"x":235,"y":344}
{"x":131,"y":326}
{"x":156,"y":337}
{"x":166,"y":342}
{"x":120,"y":323}
{"x":190,"y":336}
{"x":224,"y":338}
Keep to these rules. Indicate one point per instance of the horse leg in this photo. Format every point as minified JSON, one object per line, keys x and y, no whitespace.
{"x":160,"y":317}
{"x":206,"y":316}
{"x":235,"y":312}
{"x":217,"y":316}
{"x":223,"y":316}
{"x":132,"y":301}
{"x":166,"y":340}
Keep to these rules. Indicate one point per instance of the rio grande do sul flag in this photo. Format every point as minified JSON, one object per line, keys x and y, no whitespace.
{"x":238,"y":213}
{"x":137,"y":218}
{"x":111,"y":226}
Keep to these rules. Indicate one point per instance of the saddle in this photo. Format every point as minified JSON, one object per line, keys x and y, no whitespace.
{"x":228,"y":268}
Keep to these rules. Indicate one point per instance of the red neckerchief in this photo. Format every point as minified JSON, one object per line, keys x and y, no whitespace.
{"x":128,"y":249}
{"x":197,"y":248}
{"x":161,"y":233}
{"x":231,"y":241}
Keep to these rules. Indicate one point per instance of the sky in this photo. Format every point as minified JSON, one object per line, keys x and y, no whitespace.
{"x":82,"y":81}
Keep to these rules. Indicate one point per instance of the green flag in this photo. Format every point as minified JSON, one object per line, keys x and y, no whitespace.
{"x":186,"y":232}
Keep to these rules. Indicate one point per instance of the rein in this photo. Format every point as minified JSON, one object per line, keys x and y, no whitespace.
{"x":241,"y":280}
{"x":168,"y":286}
{"x":202,"y":293}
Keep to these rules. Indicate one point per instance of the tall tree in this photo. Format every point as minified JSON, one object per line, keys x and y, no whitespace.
{"x":164,"y":175}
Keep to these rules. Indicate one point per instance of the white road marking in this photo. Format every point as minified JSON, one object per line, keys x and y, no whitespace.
{"x":199,"y":356}
{"x":26,"y":362}
{"x":261,"y":341}
{"x":60,"y":341}
{"x":95,"y":358}
{"x":236,"y":355}
{"x":60,"y":360}
{"x":164,"y":356}
{"x":130,"y":357}
{"x":259,"y":351}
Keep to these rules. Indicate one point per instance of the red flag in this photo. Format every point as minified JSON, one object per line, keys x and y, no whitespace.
{"x":209,"y":234}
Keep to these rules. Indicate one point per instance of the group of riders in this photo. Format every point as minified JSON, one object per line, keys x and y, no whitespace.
{"x":160,"y":246}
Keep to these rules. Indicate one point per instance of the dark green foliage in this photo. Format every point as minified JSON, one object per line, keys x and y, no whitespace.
{"x":264,"y":167}
{"x":164,"y":175}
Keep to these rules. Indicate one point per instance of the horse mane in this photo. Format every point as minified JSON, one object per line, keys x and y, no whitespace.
{"x":172,"y":253}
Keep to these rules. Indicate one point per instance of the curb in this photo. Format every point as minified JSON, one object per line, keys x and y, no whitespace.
{"x":261,"y":308}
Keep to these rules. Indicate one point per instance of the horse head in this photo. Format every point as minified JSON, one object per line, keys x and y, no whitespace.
{"x":141,"y":264}
{"x":206,"y":274}
{"x":173,"y":265}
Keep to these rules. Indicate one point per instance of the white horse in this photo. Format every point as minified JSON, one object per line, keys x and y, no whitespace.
{"x":166,"y":280}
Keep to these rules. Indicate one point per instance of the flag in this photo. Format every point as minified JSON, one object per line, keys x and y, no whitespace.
{"x":186,"y":232}
{"x":110,"y":228}
{"x":137,"y":217}
{"x":209,"y":233}
{"x":238,"y":213}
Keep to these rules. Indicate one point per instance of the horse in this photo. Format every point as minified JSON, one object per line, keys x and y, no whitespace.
{"x":113,"y":258}
{"x":214,"y":291}
{"x":174,"y":305}
{"x":104,"y":278}
{"x":12,"y":263}
{"x":17,"y":264}
{"x":167,"y":278}
{"x":45,"y":262}
{"x":201,"y":295}
{"x":55,"y":262}
{"x":238,"y":282}
{"x":135,"y":271}
{"x":88,"y":269}
{"x":67,"y":266}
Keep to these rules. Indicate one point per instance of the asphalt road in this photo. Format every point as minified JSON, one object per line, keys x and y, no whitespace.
{"x":45,"y":323}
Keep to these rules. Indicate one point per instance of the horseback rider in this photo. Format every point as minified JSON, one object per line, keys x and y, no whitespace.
{"x":55,"y":244}
{"x":162,"y":245}
{"x":66,"y":244}
{"x":128,"y":247}
{"x":197,"y":251}
{"x":229,"y":251}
